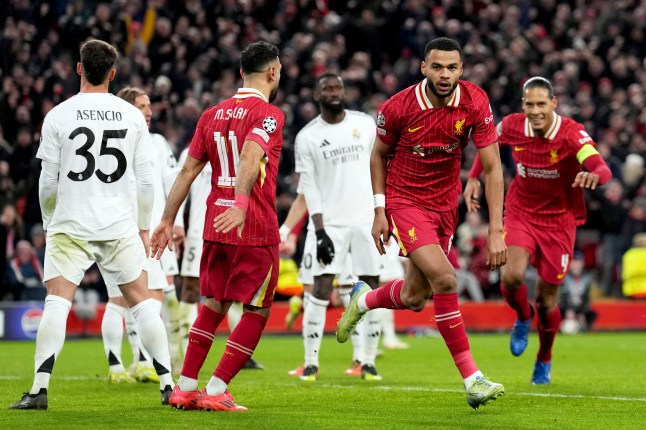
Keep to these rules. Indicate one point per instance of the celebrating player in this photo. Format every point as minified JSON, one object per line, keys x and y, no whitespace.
{"x":544,"y":206}
{"x":421,"y":132}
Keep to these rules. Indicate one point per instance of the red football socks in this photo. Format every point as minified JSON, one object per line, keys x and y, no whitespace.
{"x":451,"y":326}
{"x":517,"y":299}
{"x":200,"y":339}
{"x":548,"y":326}
{"x":388,"y":296}
{"x":240,"y":346}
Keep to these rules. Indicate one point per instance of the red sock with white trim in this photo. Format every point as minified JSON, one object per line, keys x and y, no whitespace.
{"x":387,"y":296}
{"x":451,"y":326}
{"x":200,"y":339}
{"x":240,"y":347}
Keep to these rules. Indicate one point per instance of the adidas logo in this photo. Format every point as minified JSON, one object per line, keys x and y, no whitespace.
{"x":324,"y":143}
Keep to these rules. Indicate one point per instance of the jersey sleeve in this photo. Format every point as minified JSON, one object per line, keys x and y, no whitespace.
{"x":266,"y":129}
{"x":304,"y":161}
{"x":580,"y":142}
{"x":484,"y":132}
{"x":197,"y":148}
{"x":389,"y":122}
{"x":50,"y":146}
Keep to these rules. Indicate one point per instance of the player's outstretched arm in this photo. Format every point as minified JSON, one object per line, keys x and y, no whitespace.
{"x":248,"y":170}
{"x":598,"y":172}
{"x":496,"y":252}
{"x":380,"y":231}
{"x":162,"y":237}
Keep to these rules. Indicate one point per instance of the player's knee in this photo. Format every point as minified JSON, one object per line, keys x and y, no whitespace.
{"x":512,"y":279}
{"x":445,"y":284}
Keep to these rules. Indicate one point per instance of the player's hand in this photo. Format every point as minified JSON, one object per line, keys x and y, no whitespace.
{"x":230,"y":219}
{"x":496,"y":252}
{"x":586,"y":180}
{"x":380,"y":231}
{"x":162,"y":237}
{"x":288,"y":246}
{"x":143,"y":235}
{"x":178,"y":237}
{"x":472,"y":194}
{"x":324,"y":247}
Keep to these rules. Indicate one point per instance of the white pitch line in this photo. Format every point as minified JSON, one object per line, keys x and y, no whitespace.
{"x":388,"y":388}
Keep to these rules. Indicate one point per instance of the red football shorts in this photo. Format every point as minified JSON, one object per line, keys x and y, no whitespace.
{"x":246,"y":274}
{"x":550,"y":250}
{"x":414,"y":227}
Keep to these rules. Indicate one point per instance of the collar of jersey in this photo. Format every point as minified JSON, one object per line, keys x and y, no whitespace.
{"x":551,"y":132}
{"x":243,"y":93}
{"x":425,"y":102}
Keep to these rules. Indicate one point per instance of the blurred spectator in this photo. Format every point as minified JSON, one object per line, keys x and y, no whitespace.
{"x":38,"y":239}
{"x":25,"y":274}
{"x":12,"y":224}
{"x":574,"y":299}
{"x":634,"y":268}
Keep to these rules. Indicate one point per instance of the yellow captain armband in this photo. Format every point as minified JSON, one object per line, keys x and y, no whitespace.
{"x":586,"y":151}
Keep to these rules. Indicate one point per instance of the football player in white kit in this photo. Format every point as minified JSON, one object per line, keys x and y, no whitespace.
{"x":160,"y":284}
{"x":91,"y":146}
{"x":333,"y":159}
{"x":190,"y":272}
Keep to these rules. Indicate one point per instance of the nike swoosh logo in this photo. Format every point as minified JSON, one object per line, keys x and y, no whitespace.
{"x":560,"y":276}
{"x":454,"y":326}
{"x":413,"y":130}
{"x":519,"y":148}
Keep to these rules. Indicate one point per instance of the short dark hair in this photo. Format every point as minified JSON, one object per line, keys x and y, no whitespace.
{"x":97,"y":58}
{"x":443,"y":44}
{"x":256,"y":56}
{"x":539,"y":82}
{"x":129,"y":94}
{"x":325,"y":75}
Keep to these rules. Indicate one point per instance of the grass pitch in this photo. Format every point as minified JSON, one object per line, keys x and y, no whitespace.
{"x":597,"y":383}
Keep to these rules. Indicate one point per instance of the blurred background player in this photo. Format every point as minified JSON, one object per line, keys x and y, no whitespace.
{"x":574,"y":297}
{"x":544,"y":205}
{"x":91,"y":146}
{"x":415,"y":164}
{"x":142,"y":369}
{"x":190,"y":295}
{"x":332,"y":157}
{"x":241,"y":138}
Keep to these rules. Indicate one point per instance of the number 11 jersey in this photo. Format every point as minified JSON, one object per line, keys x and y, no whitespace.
{"x":220,"y":135}
{"x":97,"y":139}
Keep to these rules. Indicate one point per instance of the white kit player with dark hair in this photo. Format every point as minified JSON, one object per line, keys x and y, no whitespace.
{"x":333,"y":159}
{"x":91,"y":147}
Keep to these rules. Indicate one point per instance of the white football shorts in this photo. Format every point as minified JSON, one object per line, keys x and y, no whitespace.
{"x":156,"y":278}
{"x":192,"y":256}
{"x":120,"y":261}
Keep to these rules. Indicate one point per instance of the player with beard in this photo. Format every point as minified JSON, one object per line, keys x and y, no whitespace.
{"x":241,"y":138}
{"x":544,"y":206}
{"x":333,"y":159}
{"x":421,"y":133}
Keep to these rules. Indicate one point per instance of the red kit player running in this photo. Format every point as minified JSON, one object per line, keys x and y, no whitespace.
{"x":544,"y":205}
{"x":421,"y":132}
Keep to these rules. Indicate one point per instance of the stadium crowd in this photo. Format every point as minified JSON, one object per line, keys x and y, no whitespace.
{"x":185,"y":55}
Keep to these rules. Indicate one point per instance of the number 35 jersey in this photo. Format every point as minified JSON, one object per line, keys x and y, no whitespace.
{"x":98,"y":140}
{"x":220,"y":135}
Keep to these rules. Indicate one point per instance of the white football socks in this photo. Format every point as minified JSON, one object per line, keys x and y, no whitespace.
{"x":371,"y":332}
{"x":49,"y":339}
{"x":153,"y":337}
{"x":112,"y":334}
{"x":313,"y":325}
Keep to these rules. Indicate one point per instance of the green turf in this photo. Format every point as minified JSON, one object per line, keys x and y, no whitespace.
{"x":597,"y":383}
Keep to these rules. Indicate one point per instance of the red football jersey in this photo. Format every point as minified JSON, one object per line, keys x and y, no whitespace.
{"x":219,"y":135}
{"x":424,"y":164}
{"x":541,"y":191}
